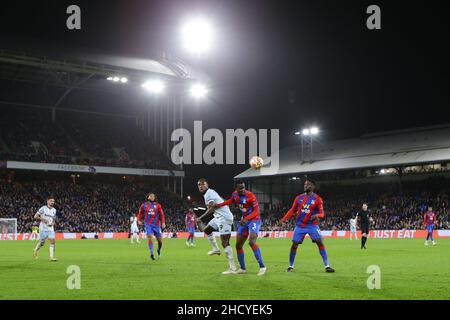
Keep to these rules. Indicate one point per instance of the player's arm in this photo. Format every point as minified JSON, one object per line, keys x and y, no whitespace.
{"x":162,"y":217}
{"x":140,"y":214}
{"x":38,"y":216}
{"x":228,"y":202}
{"x":209,"y":211}
{"x":291,"y":211}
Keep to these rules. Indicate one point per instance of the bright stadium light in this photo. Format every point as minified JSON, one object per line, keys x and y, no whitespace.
{"x":305,"y":132}
{"x":154,"y":86}
{"x":115,"y":79}
{"x":109,"y":78}
{"x":314,"y":130}
{"x":123,"y":80}
{"x":297,"y":133}
{"x":197,"y":35}
{"x":198,"y":90}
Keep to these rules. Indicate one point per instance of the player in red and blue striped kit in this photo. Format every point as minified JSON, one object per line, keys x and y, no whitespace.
{"x":191,"y":224}
{"x":309,"y":209}
{"x":429,"y":219}
{"x":153,"y":215}
{"x":248,"y":226}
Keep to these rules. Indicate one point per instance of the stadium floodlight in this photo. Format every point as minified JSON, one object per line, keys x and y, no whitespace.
{"x":154,"y":86}
{"x":124,"y":80}
{"x":109,"y":78}
{"x":189,"y":197}
{"x":297,"y":133}
{"x":198,"y":90}
{"x":314,"y":130}
{"x":197,"y":35}
{"x":305,"y":132}
{"x":115,"y":79}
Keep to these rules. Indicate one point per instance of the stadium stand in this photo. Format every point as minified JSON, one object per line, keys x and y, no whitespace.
{"x":96,"y":206}
{"x":91,"y":206}
{"x":76,"y":138}
{"x":391,"y":209}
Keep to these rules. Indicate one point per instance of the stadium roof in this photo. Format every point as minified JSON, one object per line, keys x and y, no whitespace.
{"x":21,"y":57}
{"x":385,"y":149}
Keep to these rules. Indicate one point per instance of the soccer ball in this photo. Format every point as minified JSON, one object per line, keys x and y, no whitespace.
{"x":256,"y":162}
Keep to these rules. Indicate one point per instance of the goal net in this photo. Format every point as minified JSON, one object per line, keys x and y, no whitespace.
{"x":8,"y":225}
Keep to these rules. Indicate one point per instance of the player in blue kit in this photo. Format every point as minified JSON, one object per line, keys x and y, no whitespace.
{"x":191,"y":224}
{"x":153,"y":215}
{"x":248,"y":226}
{"x":429,"y":219}
{"x":309,"y":209}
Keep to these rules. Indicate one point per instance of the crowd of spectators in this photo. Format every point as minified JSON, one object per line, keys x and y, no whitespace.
{"x":89,"y":207}
{"x":390,"y":208}
{"x":94,"y":206}
{"x":82,"y":139}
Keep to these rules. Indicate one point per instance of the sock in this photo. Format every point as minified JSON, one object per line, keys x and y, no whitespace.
{"x":38,"y":246}
{"x":323,"y":253}
{"x":150,"y":246}
{"x":257,"y":253}
{"x":52,"y":250}
{"x":292,"y":256}
{"x":159,"y":248}
{"x":192,"y":239}
{"x":213,"y":242}
{"x":229,"y":253}
{"x":240,"y":255}
{"x":363,"y":241}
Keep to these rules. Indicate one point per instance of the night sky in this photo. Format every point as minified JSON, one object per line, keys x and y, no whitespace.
{"x":280,"y":64}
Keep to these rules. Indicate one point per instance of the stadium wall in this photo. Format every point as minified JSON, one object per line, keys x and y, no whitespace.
{"x":377,"y":234}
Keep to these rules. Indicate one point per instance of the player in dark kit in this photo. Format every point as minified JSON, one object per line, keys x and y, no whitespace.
{"x":429,"y":220}
{"x":248,"y":226}
{"x":363,"y":217}
{"x":309,"y":209}
{"x":153,"y":215}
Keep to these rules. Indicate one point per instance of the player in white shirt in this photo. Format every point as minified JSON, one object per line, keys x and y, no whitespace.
{"x":353,"y":228}
{"x":222,"y":222}
{"x":134,"y":230}
{"x":46,"y":215}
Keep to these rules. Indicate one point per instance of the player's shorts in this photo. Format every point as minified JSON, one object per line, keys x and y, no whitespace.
{"x":191,"y":229}
{"x":352,"y":229}
{"x":430,"y":228}
{"x":249,"y":227}
{"x":151,"y":230}
{"x":365,"y":228}
{"x":221,"y":225}
{"x":47,"y":235}
{"x":301,"y":232}
{"x":134,"y":230}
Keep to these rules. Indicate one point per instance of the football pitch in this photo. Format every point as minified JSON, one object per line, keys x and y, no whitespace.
{"x":115,"y":269}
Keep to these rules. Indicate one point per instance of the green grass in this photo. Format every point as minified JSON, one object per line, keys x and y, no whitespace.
{"x":115,"y":269}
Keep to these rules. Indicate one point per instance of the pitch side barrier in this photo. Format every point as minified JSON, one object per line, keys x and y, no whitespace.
{"x":377,"y":234}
